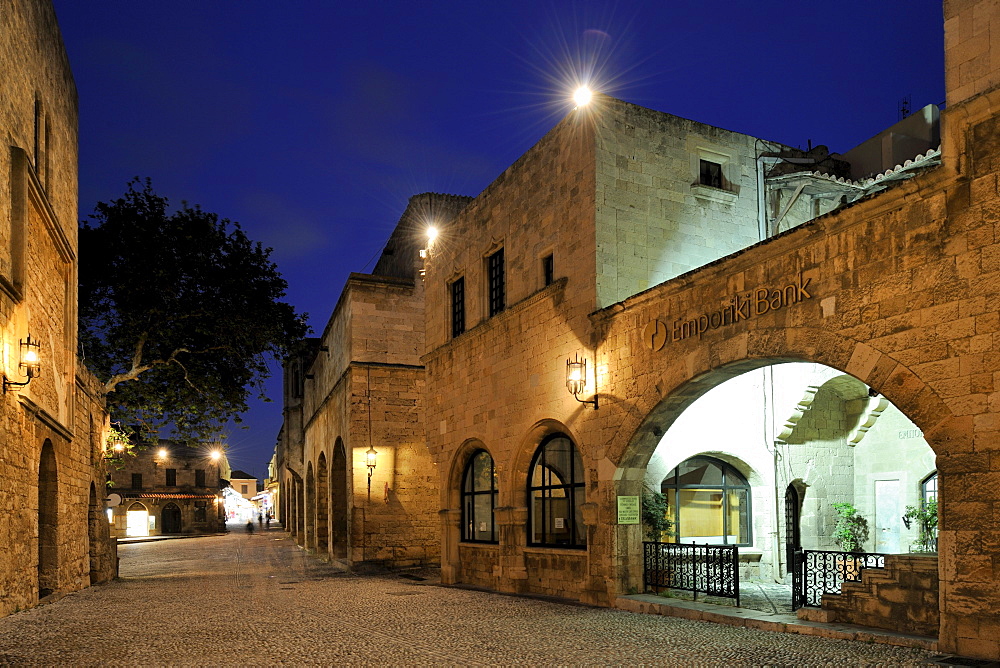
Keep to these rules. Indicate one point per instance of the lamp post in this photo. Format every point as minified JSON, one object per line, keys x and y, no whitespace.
{"x":576,"y":379}
{"x":370,"y":455}
{"x":29,"y":362}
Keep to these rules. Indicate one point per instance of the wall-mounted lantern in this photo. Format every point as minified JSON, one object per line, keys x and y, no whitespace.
{"x":116,"y":444}
{"x":29,"y":363}
{"x":576,"y":379}
{"x":370,"y":455}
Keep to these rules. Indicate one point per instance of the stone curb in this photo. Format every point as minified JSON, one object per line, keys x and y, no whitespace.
{"x":781,"y":623}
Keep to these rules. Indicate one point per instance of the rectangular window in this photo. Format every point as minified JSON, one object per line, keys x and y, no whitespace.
{"x":243,"y":489}
{"x":199,"y":511}
{"x":495,"y":272}
{"x":711,"y":174}
{"x":457,"y":307}
{"x":548,"y":269}
{"x":171,"y":477}
{"x":136,"y":481}
{"x":199,"y":478}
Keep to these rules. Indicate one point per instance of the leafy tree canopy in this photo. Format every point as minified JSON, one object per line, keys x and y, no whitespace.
{"x":178,"y":313}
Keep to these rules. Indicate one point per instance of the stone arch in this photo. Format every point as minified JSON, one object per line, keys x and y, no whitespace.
{"x":514,"y":491}
{"x":338,"y":500}
{"x":451,"y":494}
{"x":310,"y":507}
{"x":322,"y":504}
{"x":685,"y":378}
{"x":95,"y":518}
{"x":48,"y":521}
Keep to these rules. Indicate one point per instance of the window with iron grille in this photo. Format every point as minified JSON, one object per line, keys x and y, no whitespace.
{"x":136,"y":481}
{"x":171,"y":477}
{"x":457,"y":307}
{"x":199,"y":478}
{"x":199,"y":511}
{"x":495,"y":271}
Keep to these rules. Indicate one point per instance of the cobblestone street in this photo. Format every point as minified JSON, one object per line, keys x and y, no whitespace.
{"x":260,"y":600}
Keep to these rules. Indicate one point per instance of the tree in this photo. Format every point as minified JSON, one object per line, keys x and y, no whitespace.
{"x":178,"y":313}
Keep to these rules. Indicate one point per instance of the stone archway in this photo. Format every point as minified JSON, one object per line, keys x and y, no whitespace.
{"x":48,"y":521}
{"x":170,"y":519}
{"x":338,"y":499}
{"x":322,"y":505}
{"x":310,"y":508}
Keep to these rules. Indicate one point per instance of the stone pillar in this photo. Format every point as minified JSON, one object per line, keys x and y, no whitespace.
{"x":513,"y":526}
{"x":451,"y":520}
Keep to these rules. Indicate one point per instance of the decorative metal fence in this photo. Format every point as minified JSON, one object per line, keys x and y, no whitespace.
{"x":709,"y":569}
{"x":818,"y":572}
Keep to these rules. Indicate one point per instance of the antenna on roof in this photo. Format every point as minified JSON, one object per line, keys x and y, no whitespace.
{"x":904,"y":107}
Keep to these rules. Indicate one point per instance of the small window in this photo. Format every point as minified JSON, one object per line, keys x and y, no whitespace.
{"x":479,"y":499}
{"x":711,"y":174}
{"x":548,"y":269}
{"x":171,"y":477}
{"x":457,"y":307}
{"x":495,"y":271}
{"x":243,"y":489}
{"x":199,"y":478}
{"x":556,"y":495}
{"x":708,"y":501}
{"x":136,"y":481}
{"x":200,"y":514}
{"x":929,"y":488}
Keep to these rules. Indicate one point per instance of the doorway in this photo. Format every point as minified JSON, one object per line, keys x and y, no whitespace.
{"x":171,"y":518}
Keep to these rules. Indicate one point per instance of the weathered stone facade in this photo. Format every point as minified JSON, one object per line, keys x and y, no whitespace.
{"x":169,"y":488}
{"x":51,"y":430}
{"x":361,"y":386}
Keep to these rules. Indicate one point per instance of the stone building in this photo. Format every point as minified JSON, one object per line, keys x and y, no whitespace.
{"x":356,"y":481}
{"x":52,"y":420}
{"x":169,"y":488}
{"x":643,"y":303}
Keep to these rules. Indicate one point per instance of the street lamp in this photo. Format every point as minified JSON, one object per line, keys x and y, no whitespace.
{"x":576,"y":379}
{"x":370,"y":455}
{"x":29,"y":363}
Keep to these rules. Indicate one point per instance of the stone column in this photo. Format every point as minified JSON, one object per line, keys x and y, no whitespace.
{"x":451,"y":520}
{"x":513,"y":526}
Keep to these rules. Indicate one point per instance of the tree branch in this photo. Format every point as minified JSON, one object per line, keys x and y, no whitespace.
{"x":139,"y":368}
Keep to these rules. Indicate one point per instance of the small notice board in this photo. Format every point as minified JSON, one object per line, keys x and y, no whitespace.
{"x":628,"y":510}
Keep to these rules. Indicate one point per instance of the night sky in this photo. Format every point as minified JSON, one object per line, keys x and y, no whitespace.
{"x":312,"y":123}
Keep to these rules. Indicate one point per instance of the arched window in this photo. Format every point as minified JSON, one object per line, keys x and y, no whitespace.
{"x":709,"y":502}
{"x":929,"y":488}
{"x":556,"y":495}
{"x":479,"y":499}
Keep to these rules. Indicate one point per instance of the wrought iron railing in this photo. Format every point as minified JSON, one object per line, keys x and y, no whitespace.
{"x":708,"y":569}
{"x":819,"y":572}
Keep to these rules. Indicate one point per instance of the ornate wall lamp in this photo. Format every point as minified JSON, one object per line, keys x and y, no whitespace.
{"x":370,"y":455}
{"x":29,"y":364}
{"x":576,"y":379}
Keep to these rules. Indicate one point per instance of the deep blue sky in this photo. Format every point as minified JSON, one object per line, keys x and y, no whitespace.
{"x":311,"y":123}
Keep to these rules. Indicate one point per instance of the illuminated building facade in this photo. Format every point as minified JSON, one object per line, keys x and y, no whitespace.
{"x":168,"y":488}
{"x":645,"y":304}
{"x":52,"y":421}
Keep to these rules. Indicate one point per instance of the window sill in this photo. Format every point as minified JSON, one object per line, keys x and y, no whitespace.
{"x":714,"y":194}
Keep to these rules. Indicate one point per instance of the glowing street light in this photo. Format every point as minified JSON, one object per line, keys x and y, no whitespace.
{"x":583,"y":96}
{"x":432,"y":234}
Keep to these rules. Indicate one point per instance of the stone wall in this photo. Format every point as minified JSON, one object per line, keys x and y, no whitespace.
{"x":52,"y":429}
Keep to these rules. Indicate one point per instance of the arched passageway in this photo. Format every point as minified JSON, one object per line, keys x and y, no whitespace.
{"x":170,"y":519}
{"x":338,"y":497}
{"x":322,"y":505}
{"x":797,"y":441}
{"x":137,"y":520}
{"x":310,"y":508}
{"x":48,"y":521}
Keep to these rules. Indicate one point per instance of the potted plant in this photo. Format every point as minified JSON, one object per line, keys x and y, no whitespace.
{"x":654,"y":516}
{"x":851,"y":530}
{"x":926,"y":517}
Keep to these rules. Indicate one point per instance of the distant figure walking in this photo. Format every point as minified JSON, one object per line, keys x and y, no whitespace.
{"x":267,"y":522}
{"x":249,"y":527}
{"x":260,"y":520}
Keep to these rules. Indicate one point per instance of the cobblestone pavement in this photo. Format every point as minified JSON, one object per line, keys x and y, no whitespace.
{"x":260,"y":600}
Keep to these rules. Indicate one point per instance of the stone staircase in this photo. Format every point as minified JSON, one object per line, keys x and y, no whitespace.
{"x":902,"y":597}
